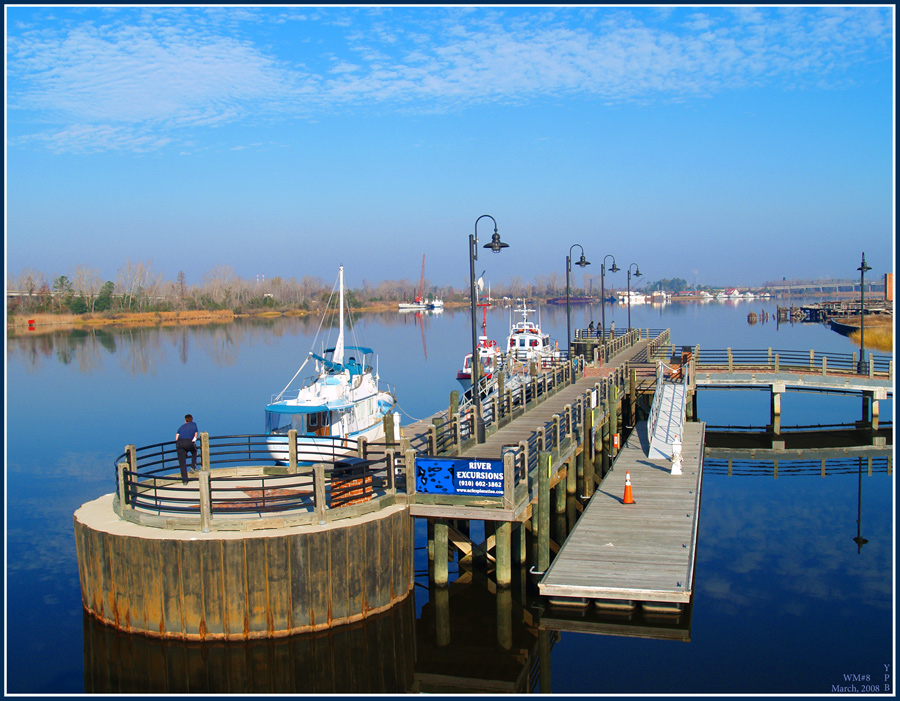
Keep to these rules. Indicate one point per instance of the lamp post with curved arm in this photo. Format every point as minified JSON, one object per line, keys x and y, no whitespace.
{"x":613,"y":269}
{"x":863,"y":268}
{"x":637,"y":273}
{"x":582,"y":262}
{"x":496,"y":245}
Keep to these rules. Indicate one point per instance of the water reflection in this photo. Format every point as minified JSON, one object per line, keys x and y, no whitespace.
{"x":375,"y":656}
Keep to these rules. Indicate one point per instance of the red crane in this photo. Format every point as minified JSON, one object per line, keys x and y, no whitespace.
{"x":421,"y":296}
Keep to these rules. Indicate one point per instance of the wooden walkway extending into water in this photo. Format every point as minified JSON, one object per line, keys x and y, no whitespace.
{"x":521,"y":428}
{"x":618,"y":555}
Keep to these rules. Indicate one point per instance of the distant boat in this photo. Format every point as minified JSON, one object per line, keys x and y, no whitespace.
{"x":573,"y":299}
{"x":339,"y":403}
{"x":635,"y":297}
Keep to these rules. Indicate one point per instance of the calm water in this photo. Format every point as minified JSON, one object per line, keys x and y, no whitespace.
{"x":783,"y":603}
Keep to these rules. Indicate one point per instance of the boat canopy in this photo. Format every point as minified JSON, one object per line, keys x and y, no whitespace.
{"x":353,"y":366}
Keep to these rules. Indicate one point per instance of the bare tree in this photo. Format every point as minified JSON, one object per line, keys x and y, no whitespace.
{"x":86,"y":283}
{"x":134,"y":279}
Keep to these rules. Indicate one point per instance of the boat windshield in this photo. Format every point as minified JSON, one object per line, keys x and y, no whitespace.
{"x":278,"y":423}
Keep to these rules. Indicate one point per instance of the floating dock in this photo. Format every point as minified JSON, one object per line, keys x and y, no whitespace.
{"x":622,"y":555}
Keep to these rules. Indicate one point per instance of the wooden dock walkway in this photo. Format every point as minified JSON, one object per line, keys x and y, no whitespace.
{"x":620,"y":555}
{"x":521,"y":428}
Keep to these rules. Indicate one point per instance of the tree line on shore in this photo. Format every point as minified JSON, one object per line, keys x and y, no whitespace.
{"x":138,"y":288}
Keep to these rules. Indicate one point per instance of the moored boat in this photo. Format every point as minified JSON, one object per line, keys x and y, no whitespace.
{"x":490,"y":355}
{"x":526,"y":340}
{"x":335,"y":407}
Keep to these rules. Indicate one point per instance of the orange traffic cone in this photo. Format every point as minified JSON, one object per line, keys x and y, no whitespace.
{"x":627,"y":499}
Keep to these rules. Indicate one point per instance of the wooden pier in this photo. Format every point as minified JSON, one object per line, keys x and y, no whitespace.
{"x":247,"y":549}
{"x":619,"y":555}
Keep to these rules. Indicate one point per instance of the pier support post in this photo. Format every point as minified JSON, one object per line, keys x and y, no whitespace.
{"x":543,"y":511}
{"x":544,"y":660}
{"x":292,"y":451}
{"x":319,"y":490}
{"x":777,"y":390}
{"x":560,"y":494}
{"x":204,"y":451}
{"x":441,"y":553}
{"x":454,"y":403}
{"x":632,"y":396}
{"x":520,"y":544}
{"x":442,"y":616}
{"x":205,"y":504}
{"x":866,"y":403}
{"x":589,"y":448}
{"x":574,"y":468}
{"x":613,"y":419}
{"x":503,"y":553}
{"x":388,"y":423}
{"x":504,"y":618}
{"x":122,"y":466}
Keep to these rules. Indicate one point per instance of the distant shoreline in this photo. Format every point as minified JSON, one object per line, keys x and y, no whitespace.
{"x":54,"y":322}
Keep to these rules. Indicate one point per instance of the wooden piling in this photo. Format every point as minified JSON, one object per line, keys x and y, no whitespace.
{"x":543,"y":508}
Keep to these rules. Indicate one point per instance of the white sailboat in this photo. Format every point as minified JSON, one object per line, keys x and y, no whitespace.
{"x":338,"y":405}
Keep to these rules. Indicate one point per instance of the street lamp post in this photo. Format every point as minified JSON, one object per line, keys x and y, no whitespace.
{"x":495,"y":245}
{"x":861,"y":365}
{"x":582,"y":262}
{"x":637,"y":273}
{"x":613,"y":269}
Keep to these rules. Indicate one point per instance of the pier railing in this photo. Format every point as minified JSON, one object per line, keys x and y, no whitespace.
{"x":601,"y":348}
{"x":735,"y":359}
{"x":454,"y":431}
{"x":254,"y":481}
{"x":556,"y":439}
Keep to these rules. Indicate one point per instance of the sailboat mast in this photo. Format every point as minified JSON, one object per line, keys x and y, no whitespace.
{"x":338,"y":356}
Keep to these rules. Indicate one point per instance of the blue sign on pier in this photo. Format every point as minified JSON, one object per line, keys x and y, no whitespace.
{"x":459,"y":476}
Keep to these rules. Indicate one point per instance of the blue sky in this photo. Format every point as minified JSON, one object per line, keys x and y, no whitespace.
{"x":725,"y":145}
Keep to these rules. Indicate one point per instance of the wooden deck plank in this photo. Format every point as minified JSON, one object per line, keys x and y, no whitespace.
{"x":644,"y":551}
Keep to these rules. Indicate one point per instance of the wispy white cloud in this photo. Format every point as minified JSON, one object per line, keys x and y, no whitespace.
{"x":142,"y":80}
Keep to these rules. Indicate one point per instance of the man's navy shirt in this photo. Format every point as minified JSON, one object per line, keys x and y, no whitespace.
{"x":187,"y":431}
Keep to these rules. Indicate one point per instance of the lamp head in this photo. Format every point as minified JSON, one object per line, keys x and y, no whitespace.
{"x":637,"y":272}
{"x":496,"y":244}
{"x":583,"y":262}
{"x":614,"y":268}
{"x":863,"y":268}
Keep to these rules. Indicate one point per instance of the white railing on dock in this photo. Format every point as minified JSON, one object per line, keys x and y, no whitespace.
{"x":661,"y":433}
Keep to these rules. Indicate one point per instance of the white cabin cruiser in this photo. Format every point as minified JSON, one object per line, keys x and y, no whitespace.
{"x":338,"y":405}
{"x":527,"y":342}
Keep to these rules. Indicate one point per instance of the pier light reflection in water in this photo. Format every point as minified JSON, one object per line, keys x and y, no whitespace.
{"x":786,"y":600}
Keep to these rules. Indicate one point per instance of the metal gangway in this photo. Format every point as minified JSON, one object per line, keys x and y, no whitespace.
{"x":666,"y":421}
